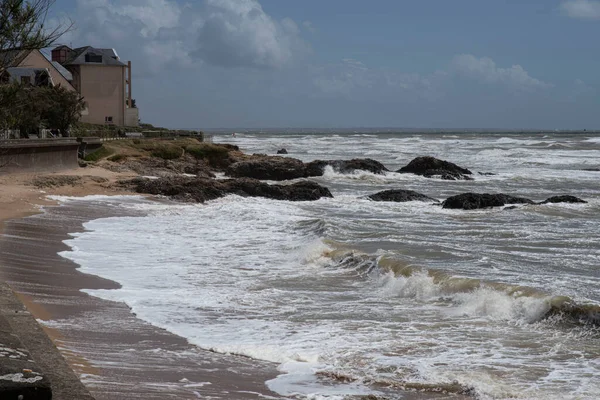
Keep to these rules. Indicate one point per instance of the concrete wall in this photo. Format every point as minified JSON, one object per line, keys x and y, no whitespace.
{"x":38,"y":155}
{"x":35,"y":59}
{"x":103,"y":89}
{"x":132,"y":117}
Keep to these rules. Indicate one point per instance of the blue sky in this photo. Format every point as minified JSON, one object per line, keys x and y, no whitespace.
{"x":347,"y":63}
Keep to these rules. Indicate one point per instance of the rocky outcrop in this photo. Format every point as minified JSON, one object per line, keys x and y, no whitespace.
{"x":282,"y":151}
{"x":317,"y":167}
{"x":430,"y":167}
{"x":267,"y":168}
{"x":563,"y":199}
{"x":400,"y":195}
{"x":473,"y":201}
{"x":202,"y":189}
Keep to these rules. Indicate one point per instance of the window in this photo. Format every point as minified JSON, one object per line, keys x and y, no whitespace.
{"x":26,"y":80}
{"x":93,"y":58}
{"x":108,"y":120}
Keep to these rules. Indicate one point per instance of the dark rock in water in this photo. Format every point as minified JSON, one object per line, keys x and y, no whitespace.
{"x":268,"y":168}
{"x":299,"y":191}
{"x":202,"y":189}
{"x":400,"y":195}
{"x":591,"y":169}
{"x":487,"y":173}
{"x":563,"y":199}
{"x":282,"y":151}
{"x":511,"y":208}
{"x":430,"y":167}
{"x":317,"y":167}
{"x":571,"y":312}
{"x":473,"y":201}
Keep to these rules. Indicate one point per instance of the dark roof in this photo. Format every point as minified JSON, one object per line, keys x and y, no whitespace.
{"x":16,"y":73}
{"x":109,"y":57}
{"x":63,"y":71}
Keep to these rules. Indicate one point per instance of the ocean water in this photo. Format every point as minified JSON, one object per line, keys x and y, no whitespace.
{"x":354,"y":297}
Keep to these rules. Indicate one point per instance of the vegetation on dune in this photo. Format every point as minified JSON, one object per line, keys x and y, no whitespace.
{"x":99,"y":154}
{"x":207,"y":151}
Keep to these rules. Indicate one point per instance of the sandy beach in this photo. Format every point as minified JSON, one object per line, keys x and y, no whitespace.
{"x":115,"y":354}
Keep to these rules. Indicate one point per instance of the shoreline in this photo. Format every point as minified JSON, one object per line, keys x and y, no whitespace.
{"x":112,"y":352}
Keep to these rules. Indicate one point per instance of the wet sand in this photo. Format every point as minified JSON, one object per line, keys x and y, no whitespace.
{"x":116,"y":355}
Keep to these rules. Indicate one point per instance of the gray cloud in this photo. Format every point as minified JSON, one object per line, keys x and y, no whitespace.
{"x":485,"y":70}
{"x":238,"y":33}
{"x":159,"y":34}
{"x":582,"y":9}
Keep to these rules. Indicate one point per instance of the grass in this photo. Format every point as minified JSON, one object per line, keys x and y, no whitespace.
{"x":117,"y":157}
{"x":167,"y":152}
{"x":207,"y":151}
{"x":99,"y":154}
{"x":164,"y":149}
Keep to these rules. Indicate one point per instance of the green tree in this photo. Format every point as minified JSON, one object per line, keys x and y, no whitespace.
{"x":64,"y":108}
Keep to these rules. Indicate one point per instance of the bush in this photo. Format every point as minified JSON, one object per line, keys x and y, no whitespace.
{"x":210,"y":152}
{"x":99,"y":154}
{"x":117,"y":157}
{"x":167,"y":152}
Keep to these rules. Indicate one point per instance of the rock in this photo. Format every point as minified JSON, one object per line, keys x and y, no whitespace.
{"x":563,"y":199}
{"x":317,"y":167}
{"x":282,"y":151}
{"x":430,"y":167}
{"x":400,"y":195}
{"x":152,"y":166}
{"x":473,"y":201}
{"x":299,"y":191}
{"x":591,"y":169}
{"x":487,"y":173}
{"x":268,"y":168}
{"x":202,"y":189}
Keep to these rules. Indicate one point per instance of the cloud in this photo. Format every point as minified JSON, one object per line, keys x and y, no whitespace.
{"x":582,"y":9}
{"x":485,"y":70}
{"x":309,"y":26}
{"x":353,"y":79}
{"x":161,"y":34}
{"x":238,"y":33}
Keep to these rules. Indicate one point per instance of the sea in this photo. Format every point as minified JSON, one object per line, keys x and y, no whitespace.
{"x":351,"y":297}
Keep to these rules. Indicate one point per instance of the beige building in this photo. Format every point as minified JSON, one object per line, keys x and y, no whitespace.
{"x":31,"y":66}
{"x":103,"y":80}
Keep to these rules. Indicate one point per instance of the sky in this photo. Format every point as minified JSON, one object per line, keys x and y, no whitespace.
{"x":202,"y":64}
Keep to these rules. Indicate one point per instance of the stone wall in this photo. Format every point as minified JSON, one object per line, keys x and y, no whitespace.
{"x":38,"y":155}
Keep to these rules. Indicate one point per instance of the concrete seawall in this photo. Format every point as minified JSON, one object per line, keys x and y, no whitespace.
{"x":38,"y":155}
{"x":31,"y":365}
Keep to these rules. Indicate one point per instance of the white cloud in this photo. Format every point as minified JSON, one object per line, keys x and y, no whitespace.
{"x":353,"y":79}
{"x":156,"y":34}
{"x":238,"y":33}
{"x":583,"y":9}
{"x":485,"y":70}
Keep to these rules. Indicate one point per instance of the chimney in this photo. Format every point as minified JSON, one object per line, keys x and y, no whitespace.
{"x":60,"y":54}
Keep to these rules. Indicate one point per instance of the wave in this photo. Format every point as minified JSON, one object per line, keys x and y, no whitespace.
{"x":468,"y":296}
{"x":331,"y":174}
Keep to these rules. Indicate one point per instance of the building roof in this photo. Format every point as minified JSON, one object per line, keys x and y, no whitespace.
{"x":16,"y":73}
{"x":105,"y":57}
{"x":63,"y":71}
